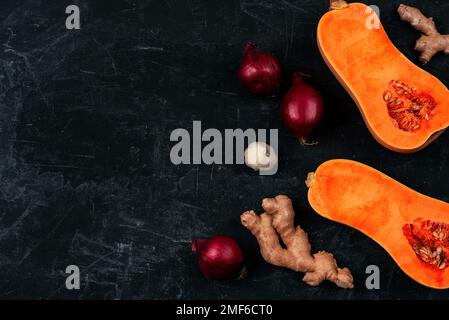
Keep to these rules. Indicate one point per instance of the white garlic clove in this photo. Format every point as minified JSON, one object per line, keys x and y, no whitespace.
{"x":260,"y":155}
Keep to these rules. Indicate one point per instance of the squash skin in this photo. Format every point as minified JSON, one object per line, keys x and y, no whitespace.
{"x":361,"y":197}
{"x":364,"y":61}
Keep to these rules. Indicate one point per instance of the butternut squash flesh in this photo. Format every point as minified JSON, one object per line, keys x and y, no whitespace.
{"x":411,"y":227}
{"x":373,"y":71}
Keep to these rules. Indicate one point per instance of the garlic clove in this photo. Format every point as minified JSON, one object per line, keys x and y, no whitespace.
{"x":260,"y":155}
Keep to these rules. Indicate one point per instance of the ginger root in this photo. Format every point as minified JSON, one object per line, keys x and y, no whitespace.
{"x":431,"y":42}
{"x":278,"y":221}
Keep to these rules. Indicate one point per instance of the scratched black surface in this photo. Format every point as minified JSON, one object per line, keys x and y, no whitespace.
{"x":85,"y":119}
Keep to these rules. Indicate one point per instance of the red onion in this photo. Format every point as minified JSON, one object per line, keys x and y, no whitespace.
{"x":302,"y":108}
{"x":259,"y":72}
{"x":219,"y":257}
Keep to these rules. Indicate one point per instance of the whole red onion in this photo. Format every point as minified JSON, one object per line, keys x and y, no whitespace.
{"x":259,"y":72}
{"x":219,"y":257}
{"x":301,"y":108}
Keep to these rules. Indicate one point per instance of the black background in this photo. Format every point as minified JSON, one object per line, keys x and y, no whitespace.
{"x":85,"y":120}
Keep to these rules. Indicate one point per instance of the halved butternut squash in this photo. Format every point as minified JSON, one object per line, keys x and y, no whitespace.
{"x":411,"y":227}
{"x":404,"y":107}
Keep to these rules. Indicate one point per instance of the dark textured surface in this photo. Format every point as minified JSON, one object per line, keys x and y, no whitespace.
{"x":85,"y":119}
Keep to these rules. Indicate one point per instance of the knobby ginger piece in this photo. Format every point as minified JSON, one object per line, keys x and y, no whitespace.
{"x":431,"y":42}
{"x":278,"y":221}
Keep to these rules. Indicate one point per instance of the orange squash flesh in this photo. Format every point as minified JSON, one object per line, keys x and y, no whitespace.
{"x":365,"y":61}
{"x":359,"y":196}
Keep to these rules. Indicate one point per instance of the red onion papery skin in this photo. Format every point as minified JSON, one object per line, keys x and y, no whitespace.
{"x":219,"y":257}
{"x":301,"y":108}
{"x":259,"y":72}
